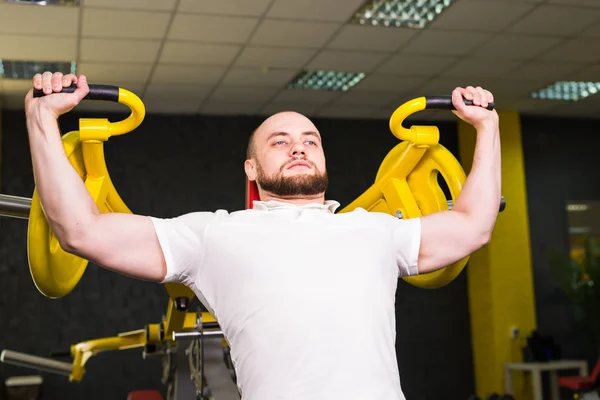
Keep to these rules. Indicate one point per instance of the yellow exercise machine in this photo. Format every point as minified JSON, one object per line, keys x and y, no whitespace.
{"x":406,"y":186}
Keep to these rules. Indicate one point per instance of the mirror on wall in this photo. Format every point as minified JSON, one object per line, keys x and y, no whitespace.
{"x":578,"y":272}
{"x":584,"y":223}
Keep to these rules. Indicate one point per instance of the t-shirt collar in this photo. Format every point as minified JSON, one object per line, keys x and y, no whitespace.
{"x":329,"y":205}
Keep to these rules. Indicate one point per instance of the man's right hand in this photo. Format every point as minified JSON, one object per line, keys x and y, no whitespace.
{"x":57,"y":103}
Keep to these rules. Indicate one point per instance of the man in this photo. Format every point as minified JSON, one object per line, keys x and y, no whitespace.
{"x":304,"y":296}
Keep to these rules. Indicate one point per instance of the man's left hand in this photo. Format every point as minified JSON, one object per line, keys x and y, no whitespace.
{"x":477,"y":115}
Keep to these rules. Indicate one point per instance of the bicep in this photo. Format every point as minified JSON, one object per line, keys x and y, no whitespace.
{"x":123,"y":243}
{"x":447,"y":237}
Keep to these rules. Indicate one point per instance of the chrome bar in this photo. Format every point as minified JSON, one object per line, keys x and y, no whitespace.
{"x":195,"y":334}
{"x":14,"y":206}
{"x":35,"y":362}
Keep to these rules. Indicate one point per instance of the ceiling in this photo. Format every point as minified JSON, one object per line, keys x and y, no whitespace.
{"x":236,"y":56}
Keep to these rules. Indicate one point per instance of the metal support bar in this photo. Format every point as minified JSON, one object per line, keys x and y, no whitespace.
{"x":35,"y":362}
{"x":14,"y":206}
{"x":187,"y":335}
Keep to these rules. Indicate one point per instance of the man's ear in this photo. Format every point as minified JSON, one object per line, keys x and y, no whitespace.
{"x":250,"y":168}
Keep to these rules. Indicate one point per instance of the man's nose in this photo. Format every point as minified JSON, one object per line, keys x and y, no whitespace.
{"x":298,"y":149}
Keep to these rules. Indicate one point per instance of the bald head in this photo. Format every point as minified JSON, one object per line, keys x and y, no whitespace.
{"x":277,"y":123}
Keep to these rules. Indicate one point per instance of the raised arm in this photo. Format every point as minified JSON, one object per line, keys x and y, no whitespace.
{"x":449,"y":236}
{"x":123,"y":243}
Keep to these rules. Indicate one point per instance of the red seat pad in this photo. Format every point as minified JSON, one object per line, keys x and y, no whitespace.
{"x":145,"y":395}
{"x":251,"y":193}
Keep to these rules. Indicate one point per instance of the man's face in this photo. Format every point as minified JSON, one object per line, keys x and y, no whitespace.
{"x":289,"y":159}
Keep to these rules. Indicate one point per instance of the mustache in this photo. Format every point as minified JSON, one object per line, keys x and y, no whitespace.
{"x":284,"y":166}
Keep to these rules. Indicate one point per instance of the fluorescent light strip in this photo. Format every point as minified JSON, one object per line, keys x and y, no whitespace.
{"x":399,"y":13}
{"x":567,"y":90}
{"x":16,"y":69}
{"x":46,"y":2}
{"x":332,"y":81}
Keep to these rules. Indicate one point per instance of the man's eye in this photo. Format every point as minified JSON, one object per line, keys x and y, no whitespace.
{"x":312,"y":143}
{"x":279,"y":143}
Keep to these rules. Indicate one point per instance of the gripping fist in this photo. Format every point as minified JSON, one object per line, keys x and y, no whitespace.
{"x":53,"y":101}
{"x":477,"y":114}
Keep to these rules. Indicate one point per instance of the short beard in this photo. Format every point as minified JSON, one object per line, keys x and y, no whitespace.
{"x":291,"y":186}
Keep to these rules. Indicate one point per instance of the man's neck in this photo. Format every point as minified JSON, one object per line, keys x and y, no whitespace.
{"x":296,"y":200}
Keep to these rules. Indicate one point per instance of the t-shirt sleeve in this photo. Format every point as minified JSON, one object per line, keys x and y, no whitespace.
{"x":406,"y":238}
{"x":183,"y":241}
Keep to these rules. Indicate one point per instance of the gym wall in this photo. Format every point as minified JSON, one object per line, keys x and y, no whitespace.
{"x":561,"y":164}
{"x":173,"y":165}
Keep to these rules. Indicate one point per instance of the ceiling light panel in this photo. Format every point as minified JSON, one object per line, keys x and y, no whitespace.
{"x":399,"y":13}
{"x":46,"y":2}
{"x":27,"y":69}
{"x":567,"y":90}
{"x":331,"y":81}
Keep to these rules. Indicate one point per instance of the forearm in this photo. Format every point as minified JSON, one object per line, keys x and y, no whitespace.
{"x":64,"y":198}
{"x":479,"y":199}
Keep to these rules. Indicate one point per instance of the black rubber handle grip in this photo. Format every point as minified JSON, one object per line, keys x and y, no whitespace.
{"x":445,"y":103}
{"x":97,"y":92}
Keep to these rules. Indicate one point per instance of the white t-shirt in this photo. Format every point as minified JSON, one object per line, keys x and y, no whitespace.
{"x":305,"y":297}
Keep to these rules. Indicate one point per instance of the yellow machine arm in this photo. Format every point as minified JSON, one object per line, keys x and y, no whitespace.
{"x":153,"y":334}
{"x":407,"y":185}
{"x":54,"y":271}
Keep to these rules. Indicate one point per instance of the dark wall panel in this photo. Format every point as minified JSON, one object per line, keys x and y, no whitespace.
{"x":561,"y":164}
